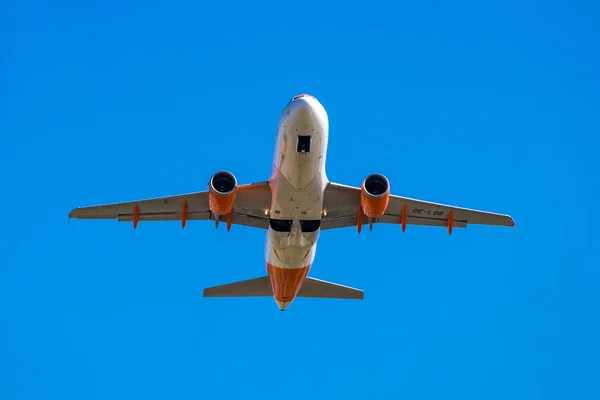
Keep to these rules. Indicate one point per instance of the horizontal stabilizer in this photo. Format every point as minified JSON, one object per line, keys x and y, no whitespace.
{"x":317,"y":288}
{"x":261,"y":287}
{"x":249,"y":288}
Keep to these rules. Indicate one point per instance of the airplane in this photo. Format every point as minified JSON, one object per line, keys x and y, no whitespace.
{"x":294,"y":205}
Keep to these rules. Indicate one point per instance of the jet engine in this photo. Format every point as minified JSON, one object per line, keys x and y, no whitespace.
{"x":221,"y":193}
{"x":375,"y":195}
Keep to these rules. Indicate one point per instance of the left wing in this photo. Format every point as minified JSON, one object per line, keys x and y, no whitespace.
{"x":249,"y":208}
{"x":341,"y":204}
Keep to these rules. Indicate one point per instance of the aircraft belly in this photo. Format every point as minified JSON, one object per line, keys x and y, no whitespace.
{"x":291,"y":257}
{"x":300,"y":168}
{"x":297,"y":182}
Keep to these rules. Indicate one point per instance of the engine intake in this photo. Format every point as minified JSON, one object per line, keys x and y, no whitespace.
{"x":375,"y":195}
{"x":221,"y":194}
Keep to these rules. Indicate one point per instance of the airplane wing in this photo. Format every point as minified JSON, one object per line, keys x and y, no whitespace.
{"x":249,"y":209}
{"x":341,"y":204}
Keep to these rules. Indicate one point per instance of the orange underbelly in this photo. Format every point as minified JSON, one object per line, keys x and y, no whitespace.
{"x":286,"y":282}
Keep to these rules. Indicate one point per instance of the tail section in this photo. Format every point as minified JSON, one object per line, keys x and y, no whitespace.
{"x":311,"y":288}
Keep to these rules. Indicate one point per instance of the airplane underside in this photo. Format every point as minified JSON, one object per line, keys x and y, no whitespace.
{"x":294,"y":206}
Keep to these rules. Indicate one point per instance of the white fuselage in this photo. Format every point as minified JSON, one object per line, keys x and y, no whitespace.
{"x":297,"y":182}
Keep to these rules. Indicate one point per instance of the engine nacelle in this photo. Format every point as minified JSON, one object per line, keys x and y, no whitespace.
{"x":222,"y":188}
{"x":375,"y":195}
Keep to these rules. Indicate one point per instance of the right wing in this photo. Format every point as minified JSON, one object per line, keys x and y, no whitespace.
{"x":249,"y":208}
{"x":341,"y":203}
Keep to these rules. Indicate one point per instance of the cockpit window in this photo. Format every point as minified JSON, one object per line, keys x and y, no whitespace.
{"x":302,"y":95}
{"x":308,"y":226}
{"x":281,"y":225}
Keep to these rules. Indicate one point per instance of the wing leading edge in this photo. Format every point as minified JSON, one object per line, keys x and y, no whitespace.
{"x":249,"y":209}
{"x":341,"y":204}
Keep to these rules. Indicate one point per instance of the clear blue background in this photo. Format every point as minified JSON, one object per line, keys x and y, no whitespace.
{"x":490,"y":106}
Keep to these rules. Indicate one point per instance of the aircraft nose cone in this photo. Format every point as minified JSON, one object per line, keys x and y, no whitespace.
{"x":303,"y":108}
{"x":283,"y":304}
{"x":304,"y":112}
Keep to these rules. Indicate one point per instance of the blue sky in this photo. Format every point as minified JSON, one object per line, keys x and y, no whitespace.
{"x":489,"y":106}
